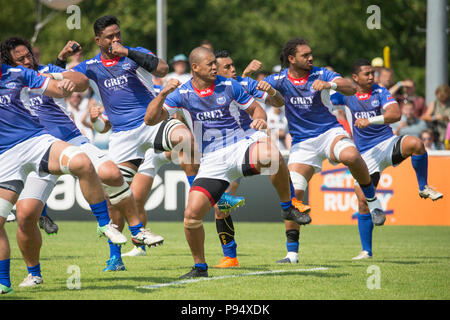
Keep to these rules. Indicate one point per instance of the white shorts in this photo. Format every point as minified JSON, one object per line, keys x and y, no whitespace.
{"x":314,"y":151}
{"x":226,"y":163}
{"x":379,"y":157}
{"x":132,"y":144}
{"x":22,"y":159}
{"x":40,"y":188}
{"x":153,"y":161}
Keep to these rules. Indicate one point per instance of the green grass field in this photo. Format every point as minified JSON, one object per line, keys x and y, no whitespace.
{"x":413,"y":263}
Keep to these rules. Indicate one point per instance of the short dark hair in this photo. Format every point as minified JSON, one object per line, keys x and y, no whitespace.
{"x":102,"y":23}
{"x":221,"y":54}
{"x":10,"y":44}
{"x":360,"y":63}
{"x":289,"y":49}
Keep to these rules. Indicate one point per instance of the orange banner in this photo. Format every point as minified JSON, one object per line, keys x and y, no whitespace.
{"x":333,"y":201}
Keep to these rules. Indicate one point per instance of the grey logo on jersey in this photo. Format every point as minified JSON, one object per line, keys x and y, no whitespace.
{"x":365,"y":114}
{"x":115,"y":82}
{"x":208,"y":115}
{"x":301,"y":102}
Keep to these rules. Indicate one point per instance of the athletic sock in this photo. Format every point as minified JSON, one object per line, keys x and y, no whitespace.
{"x":44,"y":211}
{"x":4,"y":272}
{"x":291,"y":187}
{"x":286,"y":205}
{"x":292,"y":243}
{"x":35,"y":270}
{"x":365,"y":227}
{"x":420,"y":165}
{"x":202,"y":266}
{"x":115,"y":250}
{"x":225,"y":230}
{"x":135,"y":229}
{"x":100,"y":211}
{"x":368,"y":190}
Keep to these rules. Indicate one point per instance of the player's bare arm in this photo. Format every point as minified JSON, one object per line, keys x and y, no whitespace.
{"x":258,"y":115}
{"x":392,"y":114}
{"x":275,"y":99}
{"x":155,"y":112}
{"x":344,"y":86}
{"x":59,"y":88}
{"x":156,"y":66}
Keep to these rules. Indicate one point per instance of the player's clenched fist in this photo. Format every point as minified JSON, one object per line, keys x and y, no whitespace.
{"x":319,"y":85}
{"x":258,"y":124}
{"x":170,"y":86}
{"x":66,"y":86}
{"x":118,"y":49}
{"x":266,"y":87}
{"x":362,"y":123}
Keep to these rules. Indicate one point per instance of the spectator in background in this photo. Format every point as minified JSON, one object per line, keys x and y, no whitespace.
{"x":438,"y":112}
{"x":447,"y":138}
{"x":276,"y":68}
{"x":207,"y":44}
{"x":78,"y":108}
{"x":278,"y":126}
{"x":408,"y":87}
{"x":158,"y":83}
{"x":179,"y":65}
{"x":386,"y":78}
{"x":427,"y":138}
{"x":377,"y":64}
{"x":261,"y":74}
{"x":409,"y":124}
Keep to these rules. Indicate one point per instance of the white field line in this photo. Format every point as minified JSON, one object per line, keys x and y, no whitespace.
{"x":175,"y":283}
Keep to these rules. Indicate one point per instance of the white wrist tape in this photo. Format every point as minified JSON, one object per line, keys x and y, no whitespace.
{"x":99,"y":124}
{"x":57,"y":76}
{"x":376,"y":120}
{"x":333,"y":85}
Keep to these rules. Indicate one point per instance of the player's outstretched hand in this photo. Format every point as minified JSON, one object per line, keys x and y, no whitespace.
{"x":69,"y":50}
{"x":362,"y":123}
{"x":95,"y":112}
{"x":118,"y":49}
{"x":258,"y":124}
{"x":66,"y":86}
{"x":170,"y":86}
{"x":319,"y":85}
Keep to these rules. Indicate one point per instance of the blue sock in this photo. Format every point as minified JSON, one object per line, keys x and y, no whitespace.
{"x":4,"y":272}
{"x":420,"y":165}
{"x":286,"y":205}
{"x":44,"y":211}
{"x":100,"y":211}
{"x":291,"y":186}
{"x":202,"y":266}
{"x":365,"y":227}
{"x":114,"y":250}
{"x":135,"y":229}
{"x":368,"y":190}
{"x":229,"y":249}
{"x":292,"y":246}
{"x":191,"y":179}
{"x":35,"y":271}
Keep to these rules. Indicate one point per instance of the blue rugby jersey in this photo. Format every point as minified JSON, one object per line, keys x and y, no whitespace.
{"x":249,"y":85}
{"x":208,"y":111}
{"x":52,"y":112}
{"x":308,"y":112}
{"x":366,"y":106}
{"x":18,"y":121}
{"x":125,"y":88}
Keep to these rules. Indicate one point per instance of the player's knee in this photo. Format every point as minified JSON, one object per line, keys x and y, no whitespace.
{"x":5,"y":208}
{"x":190,"y":223}
{"x":110,"y":174}
{"x":345,"y":151}
{"x":76,"y":162}
{"x":417,"y":146}
{"x":266,"y":155}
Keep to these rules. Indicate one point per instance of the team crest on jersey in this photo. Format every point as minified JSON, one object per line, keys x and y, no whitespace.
{"x":11,"y":85}
{"x":126,"y":66}
{"x":375,"y":103}
{"x":221,"y":101}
